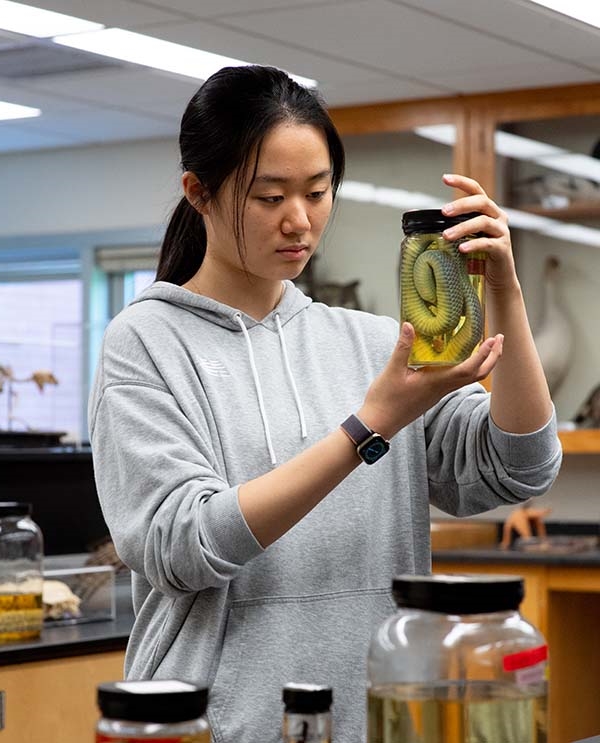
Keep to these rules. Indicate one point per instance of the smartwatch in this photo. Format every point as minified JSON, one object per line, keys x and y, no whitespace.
{"x":370,"y":446}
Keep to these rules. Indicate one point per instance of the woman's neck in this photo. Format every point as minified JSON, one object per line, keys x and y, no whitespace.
{"x":251,"y":296}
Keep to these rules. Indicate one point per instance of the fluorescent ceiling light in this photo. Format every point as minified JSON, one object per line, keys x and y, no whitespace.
{"x":587,"y":11}
{"x":24,"y":19}
{"x":443,"y":133}
{"x":508,"y":145}
{"x":398,"y":198}
{"x":583,"y":166}
{"x":151,"y":52}
{"x":15,"y":111}
{"x":576,"y":233}
{"x":528,"y":221}
{"x":522,"y":148}
{"x":385,"y":196}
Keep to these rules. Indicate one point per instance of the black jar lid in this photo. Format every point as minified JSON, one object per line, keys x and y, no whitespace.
{"x":307,"y":698}
{"x":15,"y":508}
{"x":459,"y":594}
{"x":152,"y":701}
{"x":431,"y":220}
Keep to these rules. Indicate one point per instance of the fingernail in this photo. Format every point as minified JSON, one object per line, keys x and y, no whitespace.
{"x":448,"y":209}
{"x":405,"y":329}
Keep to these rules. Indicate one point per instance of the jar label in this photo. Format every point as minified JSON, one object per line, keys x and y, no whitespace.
{"x":525,"y":658}
{"x":203,"y":737}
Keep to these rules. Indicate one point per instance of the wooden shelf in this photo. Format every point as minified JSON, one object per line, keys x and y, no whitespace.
{"x":580,"y":441}
{"x":575,"y":211}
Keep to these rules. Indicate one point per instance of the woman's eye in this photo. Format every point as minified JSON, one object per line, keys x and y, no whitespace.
{"x":270,"y":199}
{"x":316,"y":195}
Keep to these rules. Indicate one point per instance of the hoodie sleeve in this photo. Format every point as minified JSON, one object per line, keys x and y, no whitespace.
{"x":475,"y":466}
{"x":172,"y":518}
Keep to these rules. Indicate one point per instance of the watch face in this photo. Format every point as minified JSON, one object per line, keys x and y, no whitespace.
{"x":374,"y":449}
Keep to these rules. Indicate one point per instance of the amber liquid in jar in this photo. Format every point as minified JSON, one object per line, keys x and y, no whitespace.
{"x":21,"y":616}
{"x":449,"y":713}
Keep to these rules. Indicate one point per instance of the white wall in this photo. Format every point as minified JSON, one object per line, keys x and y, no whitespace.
{"x":134,"y":184}
{"x":137,"y":184}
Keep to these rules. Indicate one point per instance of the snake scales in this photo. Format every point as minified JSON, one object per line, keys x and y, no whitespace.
{"x":439,"y":300}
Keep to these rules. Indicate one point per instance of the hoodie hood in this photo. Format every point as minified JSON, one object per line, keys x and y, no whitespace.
{"x":291,"y":303}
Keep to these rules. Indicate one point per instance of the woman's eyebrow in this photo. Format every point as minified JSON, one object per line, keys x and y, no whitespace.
{"x":266,"y":178}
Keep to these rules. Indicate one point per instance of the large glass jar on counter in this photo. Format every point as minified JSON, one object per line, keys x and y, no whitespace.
{"x":21,"y":576}
{"x":457,"y":664}
{"x":442,"y":290}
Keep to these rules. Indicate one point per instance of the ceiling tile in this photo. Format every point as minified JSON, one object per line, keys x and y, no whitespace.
{"x":213,"y":8}
{"x":510,"y":77}
{"x":391,"y":37}
{"x":519,"y":21}
{"x":102,"y":126}
{"x":256,"y":49}
{"x":132,"y":88}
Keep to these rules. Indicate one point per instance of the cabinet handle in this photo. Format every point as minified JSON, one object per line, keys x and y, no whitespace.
{"x":2,"y":707}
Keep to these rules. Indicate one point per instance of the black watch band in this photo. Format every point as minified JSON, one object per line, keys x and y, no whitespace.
{"x":370,"y":446}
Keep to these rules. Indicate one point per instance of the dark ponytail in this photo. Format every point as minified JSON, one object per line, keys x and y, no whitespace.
{"x":221,"y":133}
{"x":184,"y":245}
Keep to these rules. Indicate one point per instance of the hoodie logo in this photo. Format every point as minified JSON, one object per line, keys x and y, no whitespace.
{"x":214,"y":368}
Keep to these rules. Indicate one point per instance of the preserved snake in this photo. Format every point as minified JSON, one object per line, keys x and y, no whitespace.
{"x":439,"y":300}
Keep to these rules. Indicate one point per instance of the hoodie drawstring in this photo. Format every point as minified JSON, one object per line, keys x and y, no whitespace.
{"x":259,"y":394}
{"x":257,"y":385}
{"x":288,"y":369}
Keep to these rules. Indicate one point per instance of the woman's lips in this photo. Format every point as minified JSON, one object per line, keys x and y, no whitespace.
{"x":294,"y":251}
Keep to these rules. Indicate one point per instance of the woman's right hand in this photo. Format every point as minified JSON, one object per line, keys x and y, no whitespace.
{"x":401,"y":394}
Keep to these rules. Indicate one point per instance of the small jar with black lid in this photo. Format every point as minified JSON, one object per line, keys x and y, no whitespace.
{"x":21,"y":573}
{"x":457,"y":662}
{"x":307,"y":713}
{"x":167,"y":711}
{"x":442,"y":291}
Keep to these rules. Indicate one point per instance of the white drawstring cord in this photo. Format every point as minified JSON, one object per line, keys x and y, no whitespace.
{"x":291,"y":377}
{"x":258,"y":388}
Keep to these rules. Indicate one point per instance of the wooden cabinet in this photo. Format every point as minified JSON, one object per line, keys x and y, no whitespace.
{"x":55,"y":700}
{"x":564,"y":604}
{"x":583,"y":441}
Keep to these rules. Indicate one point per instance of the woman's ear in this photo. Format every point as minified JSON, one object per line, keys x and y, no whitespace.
{"x":195,"y":192}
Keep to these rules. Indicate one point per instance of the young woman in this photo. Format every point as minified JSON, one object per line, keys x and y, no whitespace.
{"x":261,"y":545}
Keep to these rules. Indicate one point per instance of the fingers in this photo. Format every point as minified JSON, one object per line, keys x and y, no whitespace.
{"x":403,"y":346}
{"x":476,"y":199}
{"x":468,"y":185}
{"x":482,"y":363}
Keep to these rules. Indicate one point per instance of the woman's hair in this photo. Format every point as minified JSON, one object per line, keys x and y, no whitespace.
{"x":222,"y":130}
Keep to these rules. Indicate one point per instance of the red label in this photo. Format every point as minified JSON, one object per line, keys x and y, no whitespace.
{"x":525,"y":658}
{"x":475,"y":266}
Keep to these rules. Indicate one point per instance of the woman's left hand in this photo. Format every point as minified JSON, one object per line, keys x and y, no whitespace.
{"x":496,"y":242}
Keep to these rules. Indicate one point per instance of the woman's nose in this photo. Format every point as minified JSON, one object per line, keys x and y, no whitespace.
{"x":295,"y":219}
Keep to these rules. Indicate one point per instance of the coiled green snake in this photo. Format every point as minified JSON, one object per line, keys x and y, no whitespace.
{"x":438,"y":299}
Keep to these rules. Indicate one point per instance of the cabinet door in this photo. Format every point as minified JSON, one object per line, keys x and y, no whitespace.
{"x":55,"y":700}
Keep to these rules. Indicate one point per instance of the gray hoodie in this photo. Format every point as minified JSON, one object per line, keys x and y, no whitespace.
{"x":193,"y":398}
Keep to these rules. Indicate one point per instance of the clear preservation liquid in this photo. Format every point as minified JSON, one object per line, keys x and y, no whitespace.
{"x":469,"y":712}
{"x":307,"y":728}
{"x":21,"y":616}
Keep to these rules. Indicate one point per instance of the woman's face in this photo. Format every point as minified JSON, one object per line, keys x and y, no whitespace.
{"x":288,"y":205}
